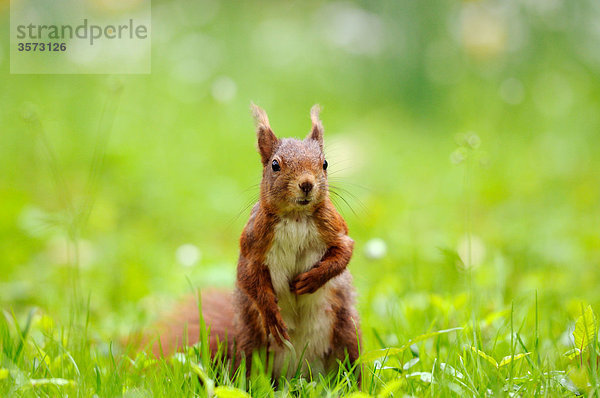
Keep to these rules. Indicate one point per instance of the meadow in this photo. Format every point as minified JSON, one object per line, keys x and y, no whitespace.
{"x":460,"y":139}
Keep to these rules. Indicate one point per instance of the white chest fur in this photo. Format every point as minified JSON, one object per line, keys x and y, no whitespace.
{"x":296,"y":248}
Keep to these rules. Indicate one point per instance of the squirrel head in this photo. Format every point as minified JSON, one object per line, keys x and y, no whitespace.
{"x":294,"y":171}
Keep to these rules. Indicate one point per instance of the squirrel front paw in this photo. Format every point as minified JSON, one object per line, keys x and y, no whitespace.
{"x":307,"y":282}
{"x":275,"y":326}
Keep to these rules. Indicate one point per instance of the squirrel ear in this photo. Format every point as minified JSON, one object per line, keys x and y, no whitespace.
{"x":316,"y":132}
{"x":265,"y":137}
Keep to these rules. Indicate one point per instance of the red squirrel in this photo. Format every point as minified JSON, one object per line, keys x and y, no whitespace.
{"x":292,"y":279}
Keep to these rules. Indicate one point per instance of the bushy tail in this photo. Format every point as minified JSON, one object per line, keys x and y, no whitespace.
{"x":181,"y":328}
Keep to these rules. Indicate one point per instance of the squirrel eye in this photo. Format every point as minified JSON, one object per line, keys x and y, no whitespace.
{"x":325,"y":165}
{"x":275,"y":165}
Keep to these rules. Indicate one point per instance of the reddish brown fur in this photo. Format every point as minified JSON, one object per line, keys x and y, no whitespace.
{"x":254,"y":301}
{"x":334,"y":231}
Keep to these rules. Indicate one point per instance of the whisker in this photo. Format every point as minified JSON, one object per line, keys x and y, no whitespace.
{"x":246,"y":206}
{"x":347,"y":192}
{"x":340,"y":161}
{"x":353,"y":184}
{"x":251,"y":187}
{"x":336,"y":171}
{"x":344,"y":200}
{"x":250,"y":201}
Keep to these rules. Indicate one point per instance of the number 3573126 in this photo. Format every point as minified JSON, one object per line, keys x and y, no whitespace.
{"x":42,"y":46}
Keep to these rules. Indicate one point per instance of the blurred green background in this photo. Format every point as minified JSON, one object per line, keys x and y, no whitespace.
{"x":449,"y":126}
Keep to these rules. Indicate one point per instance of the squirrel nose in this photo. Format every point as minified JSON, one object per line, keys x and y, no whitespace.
{"x":306,"y":187}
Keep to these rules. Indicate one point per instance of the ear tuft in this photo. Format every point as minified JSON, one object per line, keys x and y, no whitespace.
{"x":266,"y":139}
{"x":260,"y":117}
{"x":316,"y":132}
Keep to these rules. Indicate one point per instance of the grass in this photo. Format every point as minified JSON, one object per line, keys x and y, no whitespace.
{"x":441,"y":316}
{"x":466,"y":170}
{"x":41,"y":358}
{"x":454,"y":321}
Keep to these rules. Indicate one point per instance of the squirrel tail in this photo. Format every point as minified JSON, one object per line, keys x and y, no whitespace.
{"x":181,"y":327}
